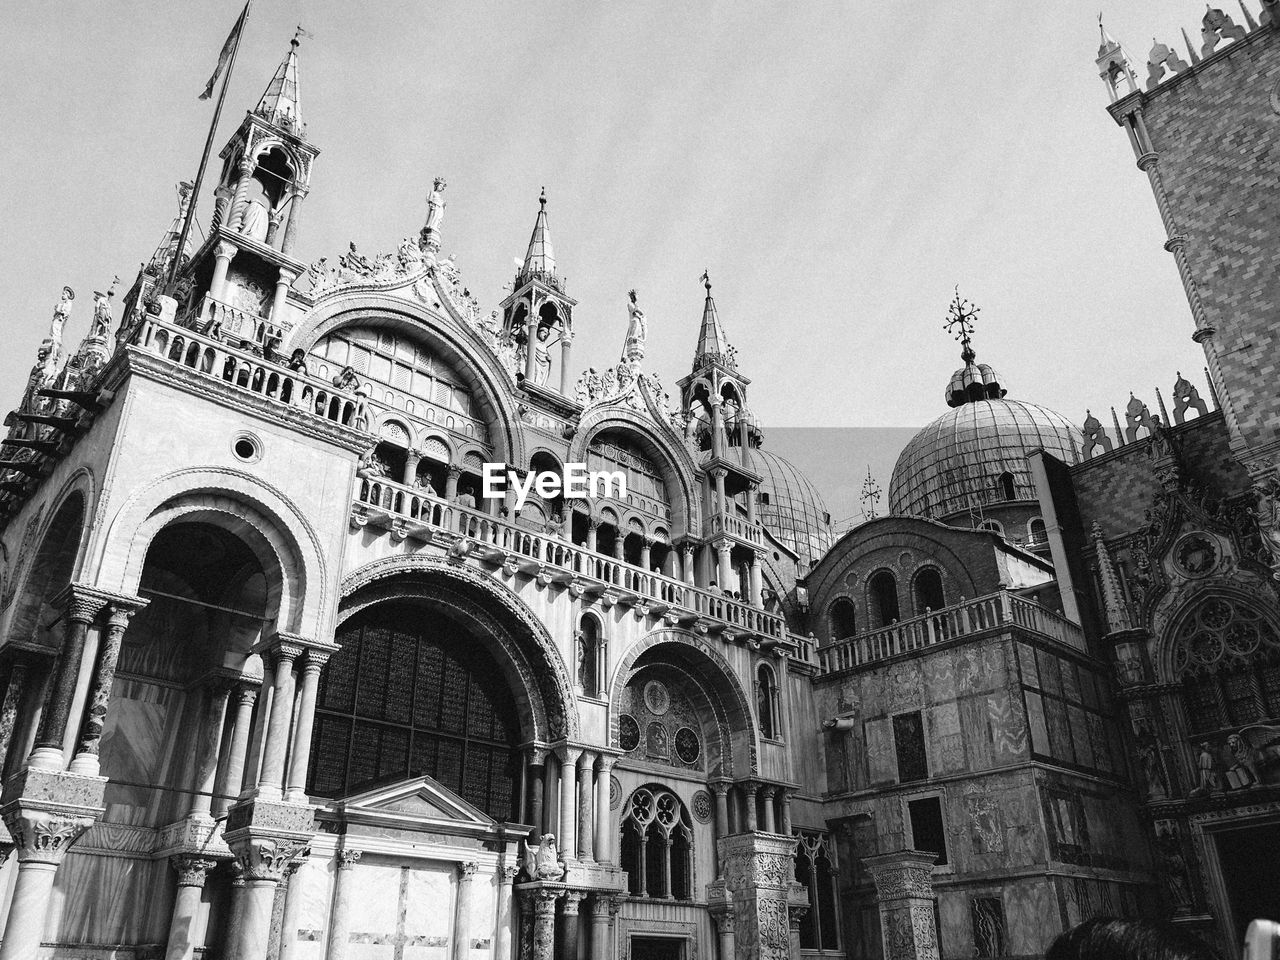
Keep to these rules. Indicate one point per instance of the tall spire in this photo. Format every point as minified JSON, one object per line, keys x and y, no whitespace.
{"x":281,"y":103}
{"x":540,"y":260}
{"x":711,"y":339}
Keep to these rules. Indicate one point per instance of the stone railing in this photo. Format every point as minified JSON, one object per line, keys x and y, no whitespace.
{"x":244,"y":371}
{"x":963,"y":619}
{"x":723,"y":524}
{"x":235,"y":325}
{"x":410,"y":512}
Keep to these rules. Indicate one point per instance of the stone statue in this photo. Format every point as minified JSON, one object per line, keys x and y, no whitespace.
{"x":1243,"y":771}
{"x":1210,"y":779}
{"x":61,"y":314}
{"x":1266,"y":492}
{"x":435,"y":204}
{"x":547,"y":865}
{"x":637,"y":331}
{"x":1173,"y":866}
{"x":542,"y":356}
{"x":257,"y":215}
{"x":100,"y":326}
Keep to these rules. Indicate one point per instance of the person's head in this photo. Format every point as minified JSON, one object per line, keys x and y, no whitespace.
{"x":1106,"y":938}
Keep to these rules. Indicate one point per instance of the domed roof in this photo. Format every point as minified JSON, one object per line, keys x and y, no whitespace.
{"x":790,"y":505}
{"x":955,"y":463}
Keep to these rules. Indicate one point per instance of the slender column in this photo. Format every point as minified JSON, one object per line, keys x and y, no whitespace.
{"x":666,"y":868}
{"x":86,"y":759}
{"x":749,"y":791}
{"x":757,"y":583}
{"x":537,"y":775}
{"x":718,"y":505}
{"x":724,"y":931}
{"x":283,"y":283}
{"x":290,"y":916}
{"x":726,"y":567}
{"x":604,"y":820}
{"x":786,"y":812}
{"x":550,"y":817}
{"x":232,"y":780}
{"x":10,"y":709}
{"x":412,"y":458}
{"x":316,"y":659}
{"x":769,"y":793}
{"x":753,"y":492}
{"x":568,"y":840}
{"x":274,"y":219}
{"x":462,"y":912}
{"x":600,"y":911}
{"x":277,"y":739}
{"x":646,"y":552}
{"x":81,"y":609}
{"x":451,"y":482}
{"x":258,"y":732}
{"x":566,"y":340}
{"x":717,"y":434}
{"x":721,"y":790}
{"x":340,"y":911}
{"x":617,"y":544}
{"x":586,"y":845}
{"x":544,"y":925}
{"x":42,"y":840}
{"x":239,"y":199}
{"x":642,"y":862}
{"x":291,"y":224}
{"x":593,"y":526}
{"x":570,"y":929}
{"x":237,"y":911}
{"x":186,"y":905}
{"x":222,"y":253}
{"x":210,"y":739}
{"x":502,"y":942}
{"x":686,"y":552}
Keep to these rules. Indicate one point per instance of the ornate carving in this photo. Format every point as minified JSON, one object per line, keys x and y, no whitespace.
{"x":265,"y":858}
{"x":43,"y":836}
{"x":191,"y":871}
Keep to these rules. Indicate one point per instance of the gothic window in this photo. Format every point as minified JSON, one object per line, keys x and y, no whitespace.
{"x":816,"y":872}
{"x":928,"y":590}
{"x":767,"y":701}
{"x":1005,"y":487}
{"x":927,"y":829}
{"x":1227,"y":658}
{"x":883,"y":595}
{"x":590,"y":657}
{"x":987,"y":914}
{"x":844,"y":622}
{"x":908,"y":742}
{"x":402,"y":699}
{"x":657,"y":845}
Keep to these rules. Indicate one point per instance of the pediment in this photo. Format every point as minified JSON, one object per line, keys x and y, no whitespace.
{"x":419,"y":803}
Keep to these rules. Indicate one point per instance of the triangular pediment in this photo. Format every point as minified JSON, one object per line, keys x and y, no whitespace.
{"x":419,"y":803}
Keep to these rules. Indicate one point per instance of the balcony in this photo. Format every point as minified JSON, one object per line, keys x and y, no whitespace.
{"x":407,"y":512}
{"x":966,"y":619}
{"x":740,"y":528}
{"x":235,"y":325}
{"x":246,"y":372}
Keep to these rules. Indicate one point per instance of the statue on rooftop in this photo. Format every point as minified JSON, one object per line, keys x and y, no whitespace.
{"x":637,"y":331}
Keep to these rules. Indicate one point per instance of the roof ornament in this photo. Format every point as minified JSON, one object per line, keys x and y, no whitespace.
{"x":1160,"y":58}
{"x":429,"y":240}
{"x":870,"y":496}
{"x":1113,"y":65}
{"x":1217,"y":26}
{"x":960,"y":317}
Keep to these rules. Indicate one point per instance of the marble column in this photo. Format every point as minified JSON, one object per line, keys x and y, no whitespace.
{"x":721,"y":791}
{"x":340,"y":910}
{"x":749,"y":791}
{"x":726,"y":566}
{"x":550,"y":817}
{"x":42,"y":838}
{"x":81,"y":610}
{"x":757,"y":582}
{"x":544,"y":925}
{"x":223,"y":253}
{"x":537,"y":773}
{"x":191,"y":872}
{"x":11,"y":709}
{"x":904,"y":892}
{"x":686,"y":562}
{"x":718,"y":506}
{"x":586,"y":844}
{"x":231,"y":781}
{"x":412,"y":458}
{"x":283,"y":283}
{"x":264,"y":860}
{"x":753,"y":494}
{"x":646,"y":552}
{"x":601,"y":913}
{"x":566,"y":341}
{"x":502,"y":938}
{"x":570,"y":940}
{"x":604,"y":818}
{"x":240,"y":198}
{"x":666,"y":868}
{"x":276,"y":744}
{"x":291,"y":224}
{"x":207,"y":745}
{"x":786,"y":813}
{"x":462,"y":912}
{"x":451,"y":482}
{"x":768,"y":792}
{"x":568,"y":840}
{"x":303,"y":724}
{"x":724,"y":932}
{"x":290,"y":917}
{"x":593,"y":527}
{"x":95,"y":716}
{"x":237,"y":911}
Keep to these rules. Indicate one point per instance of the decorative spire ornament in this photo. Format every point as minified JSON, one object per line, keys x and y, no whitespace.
{"x":870,"y":496}
{"x":960,"y":317}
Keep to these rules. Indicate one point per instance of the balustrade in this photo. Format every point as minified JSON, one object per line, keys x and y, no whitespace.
{"x":236,"y":324}
{"x":734,"y":526}
{"x":245,"y":371}
{"x":398,"y":501}
{"x":948,"y":623}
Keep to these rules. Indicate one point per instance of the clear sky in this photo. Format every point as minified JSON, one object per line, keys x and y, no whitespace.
{"x":838,"y":168}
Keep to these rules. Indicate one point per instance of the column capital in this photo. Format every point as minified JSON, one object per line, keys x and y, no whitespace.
{"x":454,"y":470}
{"x":537,"y":753}
{"x":83,"y":603}
{"x":573,"y":898}
{"x":292,"y":646}
{"x":509,"y":874}
{"x":191,"y":871}
{"x":606,"y":762}
{"x":720,"y":787}
{"x":45,"y":836}
{"x":769,"y":790}
{"x":902,"y":874}
{"x":225,"y":250}
{"x":567,"y":753}
{"x":348,"y":858}
{"x":267,"y":858}
{"x":465,"y":870}
{"x":587,"y":760}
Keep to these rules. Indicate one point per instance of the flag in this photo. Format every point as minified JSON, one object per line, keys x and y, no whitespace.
{"x":223,"y":57}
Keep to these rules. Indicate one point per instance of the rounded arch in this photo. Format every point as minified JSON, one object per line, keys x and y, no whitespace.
{"x":536,"y":672}
{"x":714,"y":675}
{"x":53,"y":565}
{"x":272,"y":526}
{"x":455,"y":341}
{"x":882,"y":602}
{"x":927,"y":590}
{"x":842,"y":618}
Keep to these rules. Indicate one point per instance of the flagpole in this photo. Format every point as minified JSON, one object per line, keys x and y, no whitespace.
{"x":208,"y":149}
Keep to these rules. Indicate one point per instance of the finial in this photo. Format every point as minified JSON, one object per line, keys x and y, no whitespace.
{"x":959,"y":324}
{"x":298,"y":34}
{"x":706,"y":281}
{"x":870,"y":495}
{"x":542,"y":197}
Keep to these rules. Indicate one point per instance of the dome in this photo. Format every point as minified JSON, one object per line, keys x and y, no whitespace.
{"x":790,"y":505}
{"x":956,"y":463}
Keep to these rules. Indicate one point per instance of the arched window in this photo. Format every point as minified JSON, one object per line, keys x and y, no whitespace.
{"x":1227,"y":657}
{"x":1005,"y":487}
{"x":993,"y":525}
{"x":767,"y":701}
{"x":843,"y":619}
{"x":657,"y":845}
{"x":590,"y":657}
{"x":815,"y":871}
{"x":409,"y":695}
{"x":882,"y":592}
{"x":928,"y":590}
{"x":1036,"y":532}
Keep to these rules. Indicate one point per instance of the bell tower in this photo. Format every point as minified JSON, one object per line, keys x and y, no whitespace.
{"x":236,"y":285}
{"x":538,"y":313}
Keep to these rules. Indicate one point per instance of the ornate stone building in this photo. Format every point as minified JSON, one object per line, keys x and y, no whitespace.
{"x":278,"y":679}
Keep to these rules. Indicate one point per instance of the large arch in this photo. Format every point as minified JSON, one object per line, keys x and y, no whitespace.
{"x":455,"y":341}
{"x":52,"y":567}
{"x":716,"y":677}
{"x":535,"y":671}
{"x":273,"y":527}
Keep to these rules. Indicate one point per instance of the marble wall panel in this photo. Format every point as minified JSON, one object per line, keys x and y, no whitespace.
{"x":939,"y":676}
{"x":101,"y":899}
{"x":375,"y":910}
{"x":882,"y":765}
{"x":1027,"y":663}
{"x":906,"y":686}
{"x":1059,"y":735}
{"x":1050,"y":673}
{"x":1008,"y":729}
{"x":1079,"y":728}
{"x":977,"y":741}
{"x":313,"y":885}
{"x":1031,"y":916}
{"x":1036,"y":722}
{"x":943,"y":740}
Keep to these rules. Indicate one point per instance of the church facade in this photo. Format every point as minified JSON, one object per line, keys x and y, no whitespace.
{"x":284,"y":677}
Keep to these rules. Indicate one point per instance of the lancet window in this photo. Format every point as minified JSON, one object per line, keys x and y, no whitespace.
{"x":816,"y":872}
{"x":657,"y":845}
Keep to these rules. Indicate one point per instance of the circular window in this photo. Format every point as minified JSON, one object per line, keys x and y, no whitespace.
{"x":688,"y":748}
{"x":246,"y":448}
{"x":628,"y":733}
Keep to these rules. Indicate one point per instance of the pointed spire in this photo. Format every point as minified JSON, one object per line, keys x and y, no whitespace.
{"x":711,"y":339}
{"x":1250,"y":23}
{"x":540,"y":259}
{"x":1109,"y":44}
{"x":1112,"y":597}
{"x":281,"y":103}
{"x":169,"y":244}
